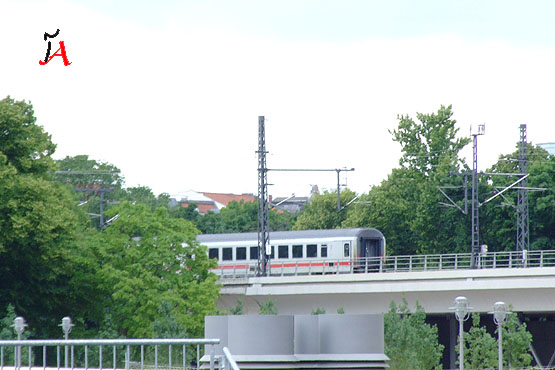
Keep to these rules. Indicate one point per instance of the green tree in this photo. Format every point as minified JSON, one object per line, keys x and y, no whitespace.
{"x":516,"y":343}
{"x":500,"y":235}
{"x":321,"y":212}
{"x":390,"y":207}
{"x":319,"y":311}
{"x":165,"y":325}
{"x":405,"y":206}
{"x":39,"y":223}
{"x":188,"y":213}
{"x":480,"y":348}
{"x":481,"y":351}
{"x":26,"y":146}
{"x":240,"y":217}
{"x":144,"y":195}
{"x":267,"y":308}
{"x":86,"y":177}
{"x":410,"y":343}
{"x":147,"y":260}
{"x":7,"y":332}
{"x":431,"y":143}
{"x":237,"y":310}
{"x":81,"y":171}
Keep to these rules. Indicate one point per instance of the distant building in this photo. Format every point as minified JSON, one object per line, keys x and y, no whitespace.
{"x":214,"y":202}
{"x":294,"y":204}
{"x":207,"y":202}
{"x":290,"y":204}
{"x":550,"y":147}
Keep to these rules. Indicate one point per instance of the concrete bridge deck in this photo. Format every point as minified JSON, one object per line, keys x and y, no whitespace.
{"x":527,"y":289}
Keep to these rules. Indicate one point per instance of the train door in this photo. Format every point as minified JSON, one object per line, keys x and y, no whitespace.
{"x":369,"y":254}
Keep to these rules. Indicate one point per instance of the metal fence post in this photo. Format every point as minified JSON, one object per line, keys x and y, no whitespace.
{"x":127,"y":357}
{"x":212,"y":354}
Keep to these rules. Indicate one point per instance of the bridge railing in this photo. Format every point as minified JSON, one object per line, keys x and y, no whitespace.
{"x":428,"y":262}
{"x":151,"y":354}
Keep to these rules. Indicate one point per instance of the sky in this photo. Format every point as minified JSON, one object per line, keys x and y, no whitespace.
{"x":170,"y":91}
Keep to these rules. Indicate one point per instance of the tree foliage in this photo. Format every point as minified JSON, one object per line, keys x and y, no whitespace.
{"x":7,"y":332}
{"x":500,"y":214}
{"x":88,"y":173}
{"x":144,"y":265}
{"x":239,"y":217}
{"x":480,"y":348}
{"x":39,"y":223}
{"x":318,"y":311}
{"x":431,"y":143}
{"x":410,"y":343}
{"x":516,"y":343}
{"x":405,"y":206}
{"x":26,"y":146}
{"x":267,"y":308}
{"x":481,"y":351}
{"x":321,"y":212}
{"x":238,"y":309}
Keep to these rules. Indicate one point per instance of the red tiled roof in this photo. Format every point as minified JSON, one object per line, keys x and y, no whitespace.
{"x":203,"y":207}
{"x":226,"y":198}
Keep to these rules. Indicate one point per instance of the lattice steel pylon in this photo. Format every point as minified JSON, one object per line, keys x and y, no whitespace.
{"x":263,"y":203}
{"x":522,"y":219}
{"x":475,"y":244}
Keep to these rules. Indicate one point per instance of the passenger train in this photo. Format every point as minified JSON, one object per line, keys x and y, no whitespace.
{"x":337,"y":250}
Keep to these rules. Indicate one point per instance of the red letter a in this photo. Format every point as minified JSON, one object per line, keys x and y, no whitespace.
{"x":63,"y":55}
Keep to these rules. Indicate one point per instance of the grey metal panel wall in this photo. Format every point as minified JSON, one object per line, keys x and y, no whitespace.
{"x":327,"y":342}
{"x":348,"y":334}
{"x":301,"y":334}
{"x":307,"y":337}
{"x":217,"y":325}
{"x":260,"y":335}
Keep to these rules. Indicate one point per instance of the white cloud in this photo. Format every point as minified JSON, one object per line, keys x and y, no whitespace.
{"x":176,"y":107}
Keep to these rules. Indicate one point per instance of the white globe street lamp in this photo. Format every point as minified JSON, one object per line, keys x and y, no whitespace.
{"x":19,"y":326}
{"x":461,"y":313}
{"x":500,"y":313}
{"x":66,"y":327}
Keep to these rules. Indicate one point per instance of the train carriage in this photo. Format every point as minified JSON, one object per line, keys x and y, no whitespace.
{"x":294,"y":252}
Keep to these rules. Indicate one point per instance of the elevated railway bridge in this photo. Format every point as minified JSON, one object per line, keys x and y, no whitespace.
{"x":526,"y":281}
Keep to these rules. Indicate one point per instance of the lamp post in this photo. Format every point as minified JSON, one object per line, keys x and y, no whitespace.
{"x":19,"y":326}
{"x":461,"y":313}
{"x":66,"y":327}
{"x":500,"y":313}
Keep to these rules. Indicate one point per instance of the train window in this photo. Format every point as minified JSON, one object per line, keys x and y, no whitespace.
{"x":214,"y":253}
{"x":346,"y":250}
{"x":283,"y":251}
{"x":272,"y":255}
{"x":311,"y":250}
{"x":241,"y":253}
{"x":324,"y":250}
{"x":254,"y":253}
{"x":227,"y":254}
{"x":297,"y":251}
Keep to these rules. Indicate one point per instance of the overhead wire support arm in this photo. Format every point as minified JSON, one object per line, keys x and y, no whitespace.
{"x":453,"y":204}
{"x":99,"y":172}
{"x":501,"y":174}
{"x":350,"y":202}
{"x":504,"y":190}
{"x":338,"y":170}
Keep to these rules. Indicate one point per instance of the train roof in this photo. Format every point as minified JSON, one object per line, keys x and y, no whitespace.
{"x":299,"y":234}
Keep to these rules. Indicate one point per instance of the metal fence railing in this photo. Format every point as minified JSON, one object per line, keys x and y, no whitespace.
{"x":139,"y":354}
{"x":429,"y":262}
{"x":227,"y":362}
